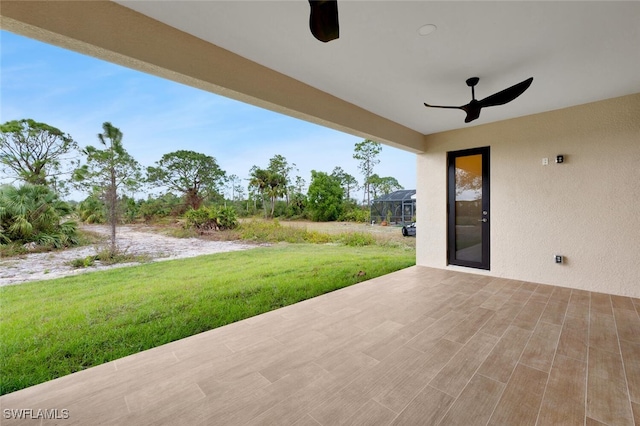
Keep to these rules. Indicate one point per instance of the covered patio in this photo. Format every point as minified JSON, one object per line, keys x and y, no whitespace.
{"x":435,"y":343}
{"x":420,"y":346}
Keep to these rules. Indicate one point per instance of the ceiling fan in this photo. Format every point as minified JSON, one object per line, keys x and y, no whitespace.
{"x":473,"y":108}
{"x":323,"y":20}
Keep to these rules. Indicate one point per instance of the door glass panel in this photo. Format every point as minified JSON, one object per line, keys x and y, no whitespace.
{"x":468,"y":208}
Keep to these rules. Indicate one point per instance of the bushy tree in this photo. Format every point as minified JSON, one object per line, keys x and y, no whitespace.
{"x":190,"y":173}
{"x":348,"y":182}
{"x":383,"y":185}
{"x":36,"y":153}
{"x":325,"y":197}
{"x":34,"y":213}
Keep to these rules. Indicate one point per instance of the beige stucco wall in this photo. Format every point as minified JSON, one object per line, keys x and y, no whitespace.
{"x":587,"y":209}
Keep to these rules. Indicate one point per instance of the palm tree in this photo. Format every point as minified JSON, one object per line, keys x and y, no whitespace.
{"x":34,"y":213}
{"x":269,"y":184}
{"x":258,"y":181}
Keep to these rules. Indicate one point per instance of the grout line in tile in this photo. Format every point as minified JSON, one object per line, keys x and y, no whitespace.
{"x":126,"y":403}
{"x":501,"y":394}
{"x":624,"y":367}
{"x":514,"y":369}
{"x":204,"y":395}
{"x":271,"y":381}
{"x":320,"y":367}
{"x":553,"y":361}
{"x":455,"y":398}
{"x":586,"y":376}
{"x":314,"y":419}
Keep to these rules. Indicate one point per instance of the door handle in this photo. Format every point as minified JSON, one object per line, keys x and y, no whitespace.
{"x":484,"y":219}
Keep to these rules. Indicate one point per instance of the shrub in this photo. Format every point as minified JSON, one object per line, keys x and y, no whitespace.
{"x":205,"y":218}
{"x":161,"y":207}
{"x":129,"y":209}
{"x":107,"y":257}
{"x":315,"y":237}
{"x":356,"y":215}
{"x":83,"y":262}
{"x":199,"y":219}
{"x":33,"y":213}
{"x":227,"y":218}
{"x":92,"y":210}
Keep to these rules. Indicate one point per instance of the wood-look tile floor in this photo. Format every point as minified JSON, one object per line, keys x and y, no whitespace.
{"x":417,"y":347}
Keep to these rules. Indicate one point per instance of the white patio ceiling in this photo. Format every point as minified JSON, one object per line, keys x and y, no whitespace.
{"x":577,"y":52}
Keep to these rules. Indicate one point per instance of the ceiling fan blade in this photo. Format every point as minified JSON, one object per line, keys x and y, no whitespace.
{"x":506,"y":95}
{"x":473,"y":111}
{"x":323,"y":20}
{"x":441,"y":106}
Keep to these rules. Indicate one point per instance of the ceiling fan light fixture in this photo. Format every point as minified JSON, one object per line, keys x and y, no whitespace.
{"x":427,"y":29}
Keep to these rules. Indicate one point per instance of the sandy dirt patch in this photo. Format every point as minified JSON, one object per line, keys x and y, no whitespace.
{"x":134,"y":240}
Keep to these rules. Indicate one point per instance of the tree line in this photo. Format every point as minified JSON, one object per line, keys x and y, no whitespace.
{"x":37,"y":155}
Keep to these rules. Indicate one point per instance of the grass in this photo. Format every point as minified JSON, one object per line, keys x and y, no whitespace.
{"x":272,"y":231}
{"x":53,"y":328}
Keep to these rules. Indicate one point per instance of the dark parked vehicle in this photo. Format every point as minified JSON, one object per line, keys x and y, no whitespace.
{"x":409,"y":230}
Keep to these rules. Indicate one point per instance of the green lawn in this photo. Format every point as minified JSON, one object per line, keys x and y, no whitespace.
{"x":52,"y":328}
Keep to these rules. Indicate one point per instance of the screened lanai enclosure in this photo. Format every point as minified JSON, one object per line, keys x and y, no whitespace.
{"x":398,"y":207}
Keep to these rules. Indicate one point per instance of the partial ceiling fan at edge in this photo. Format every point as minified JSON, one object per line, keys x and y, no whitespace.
{"x":323,"y":20}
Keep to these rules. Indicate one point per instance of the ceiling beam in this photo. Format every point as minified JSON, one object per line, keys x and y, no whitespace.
{"x":114,"y":33}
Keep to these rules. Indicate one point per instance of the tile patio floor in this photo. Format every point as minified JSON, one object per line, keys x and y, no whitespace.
{"x":417,"y":347}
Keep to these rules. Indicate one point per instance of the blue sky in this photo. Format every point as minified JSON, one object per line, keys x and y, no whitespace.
{"x":77,"y":93}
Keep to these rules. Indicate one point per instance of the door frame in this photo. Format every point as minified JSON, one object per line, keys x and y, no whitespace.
{"x":451,"y":208}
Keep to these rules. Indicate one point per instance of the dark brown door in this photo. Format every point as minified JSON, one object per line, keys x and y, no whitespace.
{"x":468,"y":208}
